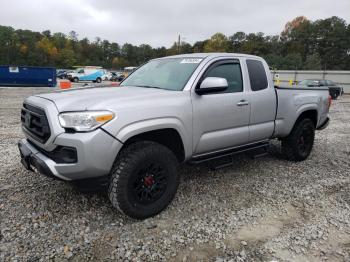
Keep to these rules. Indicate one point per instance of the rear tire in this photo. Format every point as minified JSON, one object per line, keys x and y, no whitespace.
{"x":144,"y":179}
{"x":75,"y":79}
{"x":297,"y":146}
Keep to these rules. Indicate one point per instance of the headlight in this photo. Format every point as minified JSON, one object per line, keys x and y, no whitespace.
{"x":85,"y":120}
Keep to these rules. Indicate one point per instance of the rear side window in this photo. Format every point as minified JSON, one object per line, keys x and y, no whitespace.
{"x":257,"y":75}
{"x":232,"y":73}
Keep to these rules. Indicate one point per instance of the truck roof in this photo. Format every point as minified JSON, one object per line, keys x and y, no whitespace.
{"x":212,"y":55}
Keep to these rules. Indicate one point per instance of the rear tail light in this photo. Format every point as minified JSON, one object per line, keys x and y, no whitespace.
{"x":329,"y":101}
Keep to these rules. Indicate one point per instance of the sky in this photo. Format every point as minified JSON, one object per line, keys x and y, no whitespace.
{"x":159,"y":22}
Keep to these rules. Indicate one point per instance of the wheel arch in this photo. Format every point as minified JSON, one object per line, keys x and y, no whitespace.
{"x":169,"y":137}
{"x":309,"y":113}
{"x":285,"y":125}
{"x":305,"y":111}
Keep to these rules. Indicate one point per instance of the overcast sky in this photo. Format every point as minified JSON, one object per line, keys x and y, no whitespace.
{"x":158,"y":22}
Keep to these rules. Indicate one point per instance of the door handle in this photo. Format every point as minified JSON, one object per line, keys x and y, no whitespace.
{"x":243,"y":103}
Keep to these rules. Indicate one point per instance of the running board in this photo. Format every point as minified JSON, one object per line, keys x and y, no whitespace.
{"x":230,"y":153}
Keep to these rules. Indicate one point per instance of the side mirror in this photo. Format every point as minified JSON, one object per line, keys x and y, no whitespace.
{"x":212,"y":85}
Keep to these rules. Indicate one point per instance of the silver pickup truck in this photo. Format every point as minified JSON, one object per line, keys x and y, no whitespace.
{"x":187,"y":108}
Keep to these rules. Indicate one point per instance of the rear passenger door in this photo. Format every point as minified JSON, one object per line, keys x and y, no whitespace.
{"x":220,"y":120}
{"x":263,"y":101}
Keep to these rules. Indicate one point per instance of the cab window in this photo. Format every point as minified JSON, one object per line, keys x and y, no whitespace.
{"x":257,"y":75}
{"x":231,"y":72}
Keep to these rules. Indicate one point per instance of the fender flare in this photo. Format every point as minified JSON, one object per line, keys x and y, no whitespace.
{"x":284,"y":127}
{"x":139,"y":127}
{"x":308,"y":107}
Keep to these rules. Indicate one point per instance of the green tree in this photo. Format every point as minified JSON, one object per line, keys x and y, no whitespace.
{"x":236,"y":41}
{"x":6,"y":44}
{"x":173,"y":50}
{"x":255,"y":44}
{"x":130,"y":54}
{"x":160,"y":52}
{"x":321,"y":44}
{"x":48,"y":50}
{"x":313,"y":62}
{"x":198,"y":46}
{"x":145,"y":53}
{"x":59,"y":40}
{"x":332,"y":42}
{"x":66,"y":58}
{"x":292,"y":61}
{"x":119,"y":63}
{"x":217,"y":43}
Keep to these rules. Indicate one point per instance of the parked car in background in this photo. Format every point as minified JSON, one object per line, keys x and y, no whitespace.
{"x":61,"y":74}
{"x":130,"y":69}
{"x":118,"y":77}
{"x":113,"y":76}
{"x":87,"y":73}
{"x":108,"y":76}
{"x":335,"y":90}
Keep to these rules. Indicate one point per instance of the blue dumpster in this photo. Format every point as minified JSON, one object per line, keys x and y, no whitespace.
{"x":27,"y":76}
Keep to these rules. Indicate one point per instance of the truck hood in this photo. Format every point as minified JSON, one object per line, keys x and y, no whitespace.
{"x":103,"y":98}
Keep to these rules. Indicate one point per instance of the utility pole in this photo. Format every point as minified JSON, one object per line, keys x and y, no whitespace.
{"x":178,"y":44}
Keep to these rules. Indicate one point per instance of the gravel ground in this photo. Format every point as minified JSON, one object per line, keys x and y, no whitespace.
{"x":260,"y":209}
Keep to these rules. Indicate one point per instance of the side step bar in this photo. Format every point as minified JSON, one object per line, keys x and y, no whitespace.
{"x":229,"y":153}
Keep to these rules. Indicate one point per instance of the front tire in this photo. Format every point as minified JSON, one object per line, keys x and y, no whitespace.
{"x":98,"y":80}
{"x":144,"y":179}
{"x":297,"y":146}
{"x":75,"y":79}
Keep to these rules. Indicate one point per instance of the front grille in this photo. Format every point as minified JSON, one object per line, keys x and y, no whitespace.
{"x":34,"y":123}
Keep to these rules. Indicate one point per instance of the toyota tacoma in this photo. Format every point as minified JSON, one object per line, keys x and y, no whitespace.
{"x":186,"y":108}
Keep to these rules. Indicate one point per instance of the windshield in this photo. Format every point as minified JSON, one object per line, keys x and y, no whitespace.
{"x":168,"y":73}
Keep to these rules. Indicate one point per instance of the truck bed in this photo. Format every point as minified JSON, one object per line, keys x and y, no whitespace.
{"x":291,"y":101}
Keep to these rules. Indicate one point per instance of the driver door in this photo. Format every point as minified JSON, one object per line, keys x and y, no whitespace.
{"x":81,"y":73}
{"x":221,"y":120}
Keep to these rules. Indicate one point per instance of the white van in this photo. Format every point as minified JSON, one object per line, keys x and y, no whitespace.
{"x":87,"y":73}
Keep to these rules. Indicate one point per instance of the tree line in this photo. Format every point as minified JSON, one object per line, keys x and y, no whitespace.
{"x":303,"y":44}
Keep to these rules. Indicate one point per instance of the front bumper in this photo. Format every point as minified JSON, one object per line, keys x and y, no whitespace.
{"x":33,"y":160}
{"x":96,"y":152}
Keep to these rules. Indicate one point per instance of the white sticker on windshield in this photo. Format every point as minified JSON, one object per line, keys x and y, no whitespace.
{"x":191,"y":61}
